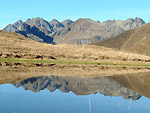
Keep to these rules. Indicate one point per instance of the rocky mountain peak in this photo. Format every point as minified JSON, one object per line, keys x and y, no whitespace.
{"x":85,"y":20}
{"x":67,"y":22}
{"x":13,"y":27}
{"x":56,"y":24}
{"x":28,"y":20}
{"x":139,"y":20}
{"x":18,"y":23}
{"x":36,"y":21}
{"x":133,"y":23}
{"x":136,"y":20}
{"x":41,"y":24}
{"x":23,"y":27}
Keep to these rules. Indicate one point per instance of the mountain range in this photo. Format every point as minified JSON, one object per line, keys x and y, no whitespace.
{"x":37,"y":29}
{"x":82,"y":31}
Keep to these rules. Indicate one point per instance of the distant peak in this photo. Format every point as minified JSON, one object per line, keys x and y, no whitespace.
{"x":85,"y":20}
{"x":34,"y":19}
{"x":28,"y":19}
{"x":67,"y":22}
{"x":54,"y":21}
{"x":19,"y":21}
{"x":38,"y":18}
{"x":139,"y":20}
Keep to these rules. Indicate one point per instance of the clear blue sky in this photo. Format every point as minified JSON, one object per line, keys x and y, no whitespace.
{"x":13,"y":10}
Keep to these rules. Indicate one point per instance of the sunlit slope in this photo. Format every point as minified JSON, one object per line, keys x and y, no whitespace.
{"x":14,"y":45}
{"x":136,"y":41}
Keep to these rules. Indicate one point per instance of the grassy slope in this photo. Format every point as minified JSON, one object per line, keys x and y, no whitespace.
{"x":12,"y":43}
{"x":136,"y":41}
{"x":116,"y":42}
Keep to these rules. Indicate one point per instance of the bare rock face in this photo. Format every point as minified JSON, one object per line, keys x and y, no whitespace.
{"x":80,"y":86}
{"x":34,"y":33}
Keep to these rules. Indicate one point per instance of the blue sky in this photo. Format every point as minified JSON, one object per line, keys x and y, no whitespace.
{"x":13,"y":10}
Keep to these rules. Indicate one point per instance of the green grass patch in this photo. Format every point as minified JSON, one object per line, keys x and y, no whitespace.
{"x":118,"y":63}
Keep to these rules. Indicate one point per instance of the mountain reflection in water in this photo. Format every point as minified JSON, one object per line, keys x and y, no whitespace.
{"x":110,"y":88}
{"x":128,"y":82}
{"x":79,"y":85}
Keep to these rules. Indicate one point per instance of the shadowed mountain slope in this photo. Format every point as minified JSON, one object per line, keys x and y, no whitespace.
{"x":34,"y":33}
{"x":41,"y":24}
{"x":36,"y":29}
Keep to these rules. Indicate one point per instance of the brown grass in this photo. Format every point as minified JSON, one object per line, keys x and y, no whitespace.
{"x":135,"y":41}
{"x":15,"y":44}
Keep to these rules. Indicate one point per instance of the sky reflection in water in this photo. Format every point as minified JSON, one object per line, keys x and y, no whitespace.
{"x":18,"y":100}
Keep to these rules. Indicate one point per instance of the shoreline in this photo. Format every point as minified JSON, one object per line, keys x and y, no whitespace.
{"x":78,"y":62}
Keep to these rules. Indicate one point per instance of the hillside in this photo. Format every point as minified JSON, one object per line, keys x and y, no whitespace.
{"x":14,"y":45}
{"x":136,"y":41}
{"x":81,"y":32}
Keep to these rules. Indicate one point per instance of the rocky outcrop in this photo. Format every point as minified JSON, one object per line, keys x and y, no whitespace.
{"x":80,"y":86}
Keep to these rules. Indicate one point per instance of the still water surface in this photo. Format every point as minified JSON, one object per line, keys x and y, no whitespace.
{"x":71,"y":94}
